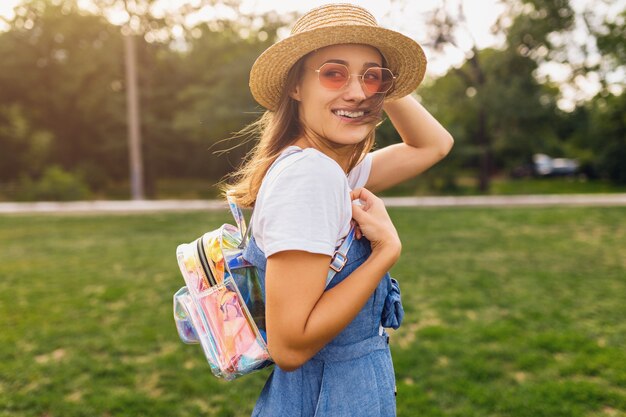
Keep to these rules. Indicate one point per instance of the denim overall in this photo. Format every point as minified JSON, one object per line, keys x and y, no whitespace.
{"x":353,"y":374}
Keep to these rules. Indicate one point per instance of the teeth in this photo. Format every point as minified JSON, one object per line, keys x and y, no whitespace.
{"x":351,"y":114}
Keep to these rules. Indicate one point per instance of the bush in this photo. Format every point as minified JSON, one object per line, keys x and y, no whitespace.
{"x":55,"y":184}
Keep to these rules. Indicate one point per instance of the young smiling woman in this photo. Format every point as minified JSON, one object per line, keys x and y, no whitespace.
{"x":325,"y":88}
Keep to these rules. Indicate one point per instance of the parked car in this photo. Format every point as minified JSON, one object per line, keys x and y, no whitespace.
{"x":545,"y":166}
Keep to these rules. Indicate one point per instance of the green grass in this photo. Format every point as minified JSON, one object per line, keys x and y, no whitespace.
{"x":501,"y":186}
{"x":509,"y":312}
{"x":468,"y":185}
{"x":196,"y":188}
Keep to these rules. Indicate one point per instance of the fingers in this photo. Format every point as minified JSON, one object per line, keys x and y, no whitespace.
{"x":373,"y":220}
{"x":364,"y":195}
{"x":357,"y":229}
{"x":354,"y":193}
{"x":361,"y":193}
{"x":358,"y":213}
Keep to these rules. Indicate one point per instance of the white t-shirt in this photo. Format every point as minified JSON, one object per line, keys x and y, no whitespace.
{"x":304,"y":202}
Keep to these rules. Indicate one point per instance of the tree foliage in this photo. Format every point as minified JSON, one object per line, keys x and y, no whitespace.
{"x":62,"y":92}
{"x":62,"y":98}
{"x":503,"y":109}
{"x":59,"y":75}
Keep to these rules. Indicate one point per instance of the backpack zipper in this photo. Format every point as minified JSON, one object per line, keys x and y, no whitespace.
{"x":205,"y":263}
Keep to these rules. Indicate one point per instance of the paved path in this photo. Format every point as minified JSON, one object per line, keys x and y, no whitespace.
{"x":203,"y":205}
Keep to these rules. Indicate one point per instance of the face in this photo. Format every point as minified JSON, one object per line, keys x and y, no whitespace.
{"x":337,"y":114}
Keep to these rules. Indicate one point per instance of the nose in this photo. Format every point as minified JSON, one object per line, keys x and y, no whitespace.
{"x":354,"y":90}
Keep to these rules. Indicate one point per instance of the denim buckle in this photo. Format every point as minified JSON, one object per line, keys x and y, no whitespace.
{"x":341,"y":258}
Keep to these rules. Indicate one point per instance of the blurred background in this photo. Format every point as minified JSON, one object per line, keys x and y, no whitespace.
{"x":530,"y":89}
{"x":510,"y":311}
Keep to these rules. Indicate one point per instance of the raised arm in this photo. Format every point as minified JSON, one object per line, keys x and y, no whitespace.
{"x":425,"y":142}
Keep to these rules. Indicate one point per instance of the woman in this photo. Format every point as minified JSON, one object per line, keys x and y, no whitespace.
{"x":324,"y":88}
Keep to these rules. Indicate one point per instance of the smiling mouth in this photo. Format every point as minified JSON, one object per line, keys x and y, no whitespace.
{"x":350,"y":114}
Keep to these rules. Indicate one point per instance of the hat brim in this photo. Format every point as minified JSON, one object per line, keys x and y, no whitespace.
{"x":404,"y":57}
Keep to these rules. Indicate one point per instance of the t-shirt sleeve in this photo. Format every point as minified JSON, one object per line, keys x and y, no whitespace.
{"x":300,"y":209}
{"x":360,"y":173}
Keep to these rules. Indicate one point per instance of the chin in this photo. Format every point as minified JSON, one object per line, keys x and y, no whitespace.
{"x":343,"y":141}
{"x":344,"y":134}
{"x":354,"y":136}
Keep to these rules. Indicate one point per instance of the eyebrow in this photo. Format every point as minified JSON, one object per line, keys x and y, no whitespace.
{"x":341,"y":61}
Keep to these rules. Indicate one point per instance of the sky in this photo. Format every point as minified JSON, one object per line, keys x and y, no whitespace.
{"x":481,"y":14}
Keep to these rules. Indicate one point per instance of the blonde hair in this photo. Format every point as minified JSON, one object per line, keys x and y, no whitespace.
{"x":276,"y":130}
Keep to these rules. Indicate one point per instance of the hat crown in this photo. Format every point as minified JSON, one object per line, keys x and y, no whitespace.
{"x":334,"y":15}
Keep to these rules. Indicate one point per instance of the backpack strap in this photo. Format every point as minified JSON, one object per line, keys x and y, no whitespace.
{"x":237,"y":215}
{"x":246,"y":237}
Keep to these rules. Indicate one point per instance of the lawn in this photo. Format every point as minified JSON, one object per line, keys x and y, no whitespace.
{"x":468,"y":185}
{"x":195,"y":188}
{"x":509,"y":312}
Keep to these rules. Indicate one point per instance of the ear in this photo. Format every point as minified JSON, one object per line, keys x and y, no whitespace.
{"x":295,"y":93}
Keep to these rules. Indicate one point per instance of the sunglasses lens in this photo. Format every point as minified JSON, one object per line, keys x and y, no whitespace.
{"x":333,"y":76}
{"x":377,"y":80}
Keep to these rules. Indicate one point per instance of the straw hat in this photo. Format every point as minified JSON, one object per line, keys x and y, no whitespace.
{"x":334,"y":24}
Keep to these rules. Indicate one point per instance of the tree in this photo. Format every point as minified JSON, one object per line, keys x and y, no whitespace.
{"x":527,"y":26}
{"x":66,"y":81}
{"x":141,"y":22}
{"x":595,"y":131}
{"x":596,"y":134}
{"x":228,"y":47}
{"x":66,"y":85}
{"x":25,"y":149}
{"x":609,"y":129}
{"x":138,"y":13}
{"x":216,"y":101}
{"x":511,"y":107}
{"x":605,"y":49}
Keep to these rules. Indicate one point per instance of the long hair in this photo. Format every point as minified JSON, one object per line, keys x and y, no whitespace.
{"x":276,"y":130}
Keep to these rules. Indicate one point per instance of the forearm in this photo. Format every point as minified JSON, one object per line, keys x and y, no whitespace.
{"x":416,"y":126}
{"x":340,"y":305}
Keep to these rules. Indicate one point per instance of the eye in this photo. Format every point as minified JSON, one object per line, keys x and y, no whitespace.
{"x":373,"y":74}
{"x":334,"y":74}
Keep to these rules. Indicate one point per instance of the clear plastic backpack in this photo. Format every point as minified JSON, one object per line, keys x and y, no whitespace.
{"x":221,"y":307}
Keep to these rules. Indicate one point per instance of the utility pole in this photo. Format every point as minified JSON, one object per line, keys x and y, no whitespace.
{"x":134,"y":130}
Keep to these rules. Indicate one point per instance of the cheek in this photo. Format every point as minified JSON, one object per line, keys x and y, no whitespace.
{"x":313,"y":105}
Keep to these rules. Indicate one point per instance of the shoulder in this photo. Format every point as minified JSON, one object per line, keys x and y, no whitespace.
{"x":360,"y":173}
{"x":301,"y":204}
{"x":309,"y":161}
{"x":306,"y":168}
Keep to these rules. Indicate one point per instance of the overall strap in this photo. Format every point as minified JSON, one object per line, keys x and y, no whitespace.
{"x":340,"y":257}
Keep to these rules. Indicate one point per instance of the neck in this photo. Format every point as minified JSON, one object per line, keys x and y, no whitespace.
{"x":339,"y":153}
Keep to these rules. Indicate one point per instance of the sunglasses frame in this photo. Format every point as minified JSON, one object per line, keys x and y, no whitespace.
{"x":360,"y":76}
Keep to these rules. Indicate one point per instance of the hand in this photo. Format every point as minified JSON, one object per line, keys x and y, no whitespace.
{"x":373,"y":221}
